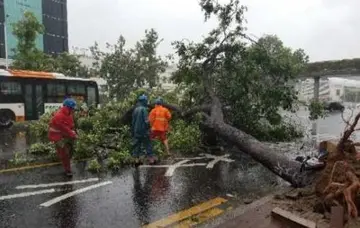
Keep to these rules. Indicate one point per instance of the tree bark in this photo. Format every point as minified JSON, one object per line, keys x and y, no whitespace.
{"x":279,"y":164}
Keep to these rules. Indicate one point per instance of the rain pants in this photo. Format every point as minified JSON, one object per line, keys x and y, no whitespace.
{"x":61,"y":132}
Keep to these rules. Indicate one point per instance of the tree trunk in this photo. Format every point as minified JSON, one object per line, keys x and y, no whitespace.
{"x":279,"y":164}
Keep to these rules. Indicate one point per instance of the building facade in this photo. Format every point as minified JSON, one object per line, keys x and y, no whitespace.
{"x":165,"y":78}
{"x":51,"y":13}
{"x":331,"y":89}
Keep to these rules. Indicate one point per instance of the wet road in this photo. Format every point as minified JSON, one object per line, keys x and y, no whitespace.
{"x":11,"y":143}
{"x":135,"y":197}
{"x":131,"y":198}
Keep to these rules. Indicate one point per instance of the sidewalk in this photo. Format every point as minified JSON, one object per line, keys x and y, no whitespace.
{"x":258,"y":215}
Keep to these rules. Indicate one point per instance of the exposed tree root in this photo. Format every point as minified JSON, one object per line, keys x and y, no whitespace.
{"x":343,"y":183}
{"x":339,"y":183}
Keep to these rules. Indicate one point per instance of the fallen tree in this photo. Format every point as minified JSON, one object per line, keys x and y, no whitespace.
{"x":214,"y":58}
{"x":216,"y":72}
{"x":223,"y":56}
{"x":104,"y":136}
{"x":286,"y":168}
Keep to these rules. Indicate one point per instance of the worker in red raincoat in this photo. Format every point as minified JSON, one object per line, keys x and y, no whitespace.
{"x":62,"y":133}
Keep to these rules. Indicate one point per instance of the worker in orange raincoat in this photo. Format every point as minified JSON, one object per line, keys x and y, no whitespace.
{"x":159,"y":118}
{"x":62,"y":133}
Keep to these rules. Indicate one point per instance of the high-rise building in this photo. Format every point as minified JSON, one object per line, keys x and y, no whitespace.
{"x":51,"y":13}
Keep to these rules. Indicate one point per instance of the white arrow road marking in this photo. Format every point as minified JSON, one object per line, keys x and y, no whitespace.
{"x":167,"y":166}
{"x":73,"y":193}
{"x":217,"y":159}
{"x":193,"y":158}
{"x":25,"y":194}
{"x":57,"y":183}
{"x":171,"y":168}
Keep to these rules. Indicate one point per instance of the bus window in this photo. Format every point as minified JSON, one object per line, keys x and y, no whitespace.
{"x":91,"y":95}
{"x":76,"y":88}
{"x":10,"y":88}
{"x":55,"y":93}
{"x":55,"y":89}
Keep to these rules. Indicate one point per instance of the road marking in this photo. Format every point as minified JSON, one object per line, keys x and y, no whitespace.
{"x":57,"y":183}
{"x":29,"y":167}
{"x":187,"y":213}
{"x":35,"y":166}
{"x":217,"y":159}
{"x":200,"y":218}
{"x":171,"y":168}
{"x":25,"y":194}
{"x":167,"y":166}
{"x":73,"y":193}
{"x":193,"y":158}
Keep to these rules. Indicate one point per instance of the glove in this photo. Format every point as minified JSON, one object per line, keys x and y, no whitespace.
{"x":75,"y":135}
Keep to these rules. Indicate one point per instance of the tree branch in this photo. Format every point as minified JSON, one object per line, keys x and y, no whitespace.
{"x":202,"y":108}
{"x":346,"y":121}
{"x":347,"y":134}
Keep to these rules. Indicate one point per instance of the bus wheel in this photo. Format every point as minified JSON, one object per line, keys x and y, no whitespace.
{"x":7,"y":118}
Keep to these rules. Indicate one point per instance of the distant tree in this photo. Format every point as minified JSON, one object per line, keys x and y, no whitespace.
{"x":69,"y":64}
{"x":151,"y":65}
{"x":27,"y":55}
{"x":126,"y":69}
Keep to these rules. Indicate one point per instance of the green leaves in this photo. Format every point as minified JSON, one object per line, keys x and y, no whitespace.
{"x":184,"y":137}
{"x":103,"y":132}
{"x":129,"y":69}
{"x":94,"y":166}
{"x":254,"y":81}
{"x":27,"y":30}
{"x":42,"y":149}
{"x":316,"y":110}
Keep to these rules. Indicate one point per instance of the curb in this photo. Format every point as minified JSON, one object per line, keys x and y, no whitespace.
{"x":238,"y":211}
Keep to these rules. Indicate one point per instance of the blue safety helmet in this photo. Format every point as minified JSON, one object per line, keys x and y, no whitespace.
{"x":143,"y":98}
{"x":159,"y":101}
{"x":70,"y":103}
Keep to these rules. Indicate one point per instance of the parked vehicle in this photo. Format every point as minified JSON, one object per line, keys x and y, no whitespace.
{"x":334,"y":106}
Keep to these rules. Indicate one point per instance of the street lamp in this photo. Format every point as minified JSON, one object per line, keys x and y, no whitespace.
{"x":5,"y":42}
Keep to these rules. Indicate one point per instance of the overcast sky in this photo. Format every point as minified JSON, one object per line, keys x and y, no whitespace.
{"x":326,"y":29}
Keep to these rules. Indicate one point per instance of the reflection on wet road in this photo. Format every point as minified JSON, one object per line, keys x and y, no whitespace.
{"x":131,"y":198}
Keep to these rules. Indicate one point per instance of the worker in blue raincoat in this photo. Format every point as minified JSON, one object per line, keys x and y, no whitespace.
{"x":141,"y":131}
